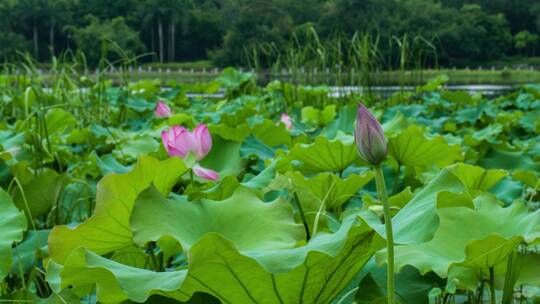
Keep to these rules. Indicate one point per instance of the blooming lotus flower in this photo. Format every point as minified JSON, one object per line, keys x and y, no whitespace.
{"x":286,"y":119}
{"x":369,"y":137}
{"x":179,"y":141}
{"x":162,"y":109}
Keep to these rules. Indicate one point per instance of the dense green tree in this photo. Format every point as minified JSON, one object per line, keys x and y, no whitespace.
{"x":261,"y":31}
{"x":526,"y":42}
{"x":110,"y":39}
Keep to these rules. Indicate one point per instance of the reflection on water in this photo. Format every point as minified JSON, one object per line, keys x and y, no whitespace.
{"x":387,"y":91}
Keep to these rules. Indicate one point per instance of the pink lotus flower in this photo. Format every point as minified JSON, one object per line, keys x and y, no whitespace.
{"x":179,"y":141}
{"x":162,"y":110}
{"x":286,"y":119}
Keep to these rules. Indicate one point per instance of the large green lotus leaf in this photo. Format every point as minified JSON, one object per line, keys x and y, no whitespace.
{"x":344,"y":122}
{"x":270,"y":225}
{"x":324,"y":155}
{"x":238,"y":133}
{"x":472,"y":238}
{"x":489,"y":134}
{"x":412,"y":148}
{"x":27,"y":253}
{"x":12,"y":226}
{"x":529,"y":270}
{"x":410,"y":286}
{"x":253,"y":147}
{"x":316,"y":117}
{"x":476,"y":178}
{"x":418,"y":220}
{"x":224,"y":157}
{"x":397,"y":124}
{"x":528,"y":177}
{"x":59,"y":120}
{"x":328,"y":187}
{"x":41,"y":193}
{"x":135,"y":146}
{"x":314,"y":273}
{"x":271,"y":134}
{"x":108,"y":228}
{"x":27,"y":296}
{"x":114,"y":282}
{"x":508,"y":160}
{"x":108,"y":164}
{"x":232,"y":79}
{"x":531,"y":121}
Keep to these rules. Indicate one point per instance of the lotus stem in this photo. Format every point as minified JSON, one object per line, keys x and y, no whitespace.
{"x":492,"y":295}
{"x":383,"y":195}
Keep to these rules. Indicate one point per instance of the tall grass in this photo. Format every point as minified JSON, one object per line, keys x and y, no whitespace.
{"x":341,"y":60}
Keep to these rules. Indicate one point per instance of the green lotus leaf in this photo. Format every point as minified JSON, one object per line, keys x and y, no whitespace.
{"x":509,"y":160}
{"x":411,"y":287}
{"x":271,"y":134}
{"x":58,"y":121}
{"x":316,"y":117}
{"x":261,"y":266}
{"x":253,"y":147}
{"x":324,"y":155}
{"x":40,"y":194}
{"x":12,"y":226}
{"x":529,"y":269}
{"x":108,"y":164}
{"x":135,"y":146}
{"x":396,"y":125}
{"x":27,"y":253}
{"x":232,"y":79}
{"x":528,"y":177}
{"x":238,"y":133}
{"x":343,"y":123}
{"x":114,"y":282}
{"x":412,"y":148}
{"x":327,"y":187}
{"x":224,"y":157}
{"x":396,"y":202}
{"x":471,"y":238}
{"x":475,"y":178}
{"x":270,"y":225}
{"x":417,"y":221}
{"x":108,"y":228}
{"x":489,"y":134}
{"x":531,"y":121}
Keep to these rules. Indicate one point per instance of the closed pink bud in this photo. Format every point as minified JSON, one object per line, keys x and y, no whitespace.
{"x":286,"y":119}
{"x":205,"y":173}
{"x":369,"y":137}
{"x":162,"y":109}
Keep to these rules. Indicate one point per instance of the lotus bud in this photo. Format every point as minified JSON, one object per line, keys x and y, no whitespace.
{"x":162,"y":109}
{"x":286,"y":120}
{"x":369,"y":137}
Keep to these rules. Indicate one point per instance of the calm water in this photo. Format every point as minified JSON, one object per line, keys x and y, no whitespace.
{"x":386,"y":91}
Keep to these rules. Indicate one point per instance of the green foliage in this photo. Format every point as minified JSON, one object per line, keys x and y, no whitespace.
{"x":472,"y":238}
{"x":276,"y":33}
{"x":110,"y":39}
{"x":12,"y":226}
{"x":94,"y":209}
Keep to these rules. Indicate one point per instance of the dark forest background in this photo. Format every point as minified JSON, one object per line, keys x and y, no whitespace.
{"x":227,"y":31}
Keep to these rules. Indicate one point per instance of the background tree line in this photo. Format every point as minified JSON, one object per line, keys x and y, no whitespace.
{"x":230,"y":31}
